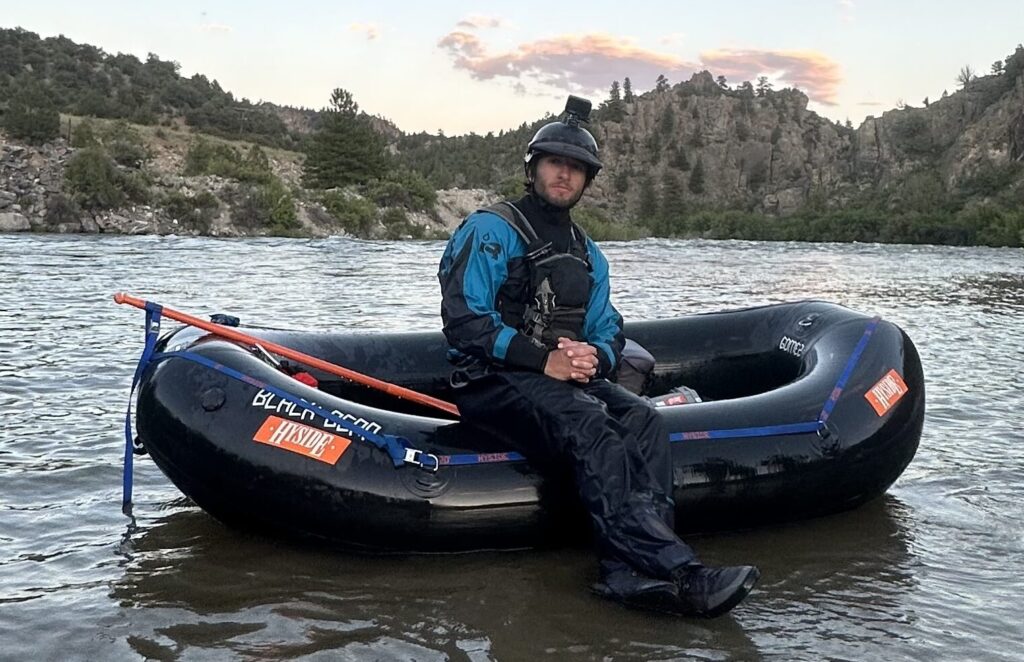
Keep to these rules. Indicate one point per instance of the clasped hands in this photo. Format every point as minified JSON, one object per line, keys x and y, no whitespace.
{"x":573,"y":360}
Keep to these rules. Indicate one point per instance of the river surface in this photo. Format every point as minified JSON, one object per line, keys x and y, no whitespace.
{"x":934,"y":570}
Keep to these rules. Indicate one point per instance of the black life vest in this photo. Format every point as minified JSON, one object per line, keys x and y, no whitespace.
{"x":554,"y":304}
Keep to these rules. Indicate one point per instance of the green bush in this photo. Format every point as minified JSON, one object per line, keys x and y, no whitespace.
{"x":601,"y":227}
{"x":84,"y":135}
{"x":124,"y":144}
{"x":510,"y":187}
{"x":277,"y":199}
{"x":990,"y":179}
{"x":195,"y":211}
{"x":397,"y":225}
{"x":120,"y":141}
{"x":31,"y":114}
{"x":205,"y":157}
{"x":357,"y":216}
{"x":135,"y":185}
{"x":921,"y":191}
{"x":402,"y":188}
{"x":268,"y":205}
{"x":93,"y":179}
{"x":914,"y":134}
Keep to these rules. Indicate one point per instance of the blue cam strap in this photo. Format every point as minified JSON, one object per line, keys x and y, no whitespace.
{"x":851,"y":363}
{"x":397,"y":448}
{"x":153,"y":314}
{"x":792,"y":428}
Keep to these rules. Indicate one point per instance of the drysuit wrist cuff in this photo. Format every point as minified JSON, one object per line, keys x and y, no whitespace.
{"x":522,"y":353}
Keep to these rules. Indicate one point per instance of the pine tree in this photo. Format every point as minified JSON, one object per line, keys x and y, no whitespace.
{"x":697,"y":177}
{"x":627,"y":91}
{"x":667,"y":123}
{"x":615,"y":93}
{"x":661,"y":85}
{"x":648,"y":200}
{"x":614,"y":109}
{"x":722,"y":83}
{"x":346,"y":150}
{"x":31,"y":113}
{"x":679,"y":161}
{"x":673,"y":203}
{"x":764,"y":86}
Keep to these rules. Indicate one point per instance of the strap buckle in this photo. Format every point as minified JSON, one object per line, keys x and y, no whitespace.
{"x":265,"y":355}
{"x":415,"y":458}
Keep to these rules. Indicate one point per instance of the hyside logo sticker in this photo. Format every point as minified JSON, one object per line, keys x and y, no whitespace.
{"x":302,"y":439}
{"x":884,"y":395}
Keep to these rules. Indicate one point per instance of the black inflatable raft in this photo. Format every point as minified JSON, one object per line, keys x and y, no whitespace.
{"x":808,"y":408}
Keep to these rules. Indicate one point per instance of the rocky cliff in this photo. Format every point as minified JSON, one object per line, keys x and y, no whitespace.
{"x":690,"y":147}
{"x":770,"y":154}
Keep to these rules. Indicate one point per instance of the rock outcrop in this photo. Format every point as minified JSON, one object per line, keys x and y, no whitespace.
{"x":770,"y":153}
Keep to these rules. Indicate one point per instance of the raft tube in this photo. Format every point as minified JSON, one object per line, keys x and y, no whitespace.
{"x":808,"y":408}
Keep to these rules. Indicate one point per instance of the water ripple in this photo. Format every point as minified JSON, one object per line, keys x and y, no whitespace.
{"x":933,"y":566}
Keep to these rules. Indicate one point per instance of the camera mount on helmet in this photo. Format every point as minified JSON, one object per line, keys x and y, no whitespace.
{"x":567,"y":138}
{"x":577,"y":110}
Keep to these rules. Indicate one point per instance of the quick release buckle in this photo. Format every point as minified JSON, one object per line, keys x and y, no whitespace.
{"x":415,"y":458}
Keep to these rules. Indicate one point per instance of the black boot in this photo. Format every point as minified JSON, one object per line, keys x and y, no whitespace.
{"x":621,"y":583}
{"x":711,"y":592}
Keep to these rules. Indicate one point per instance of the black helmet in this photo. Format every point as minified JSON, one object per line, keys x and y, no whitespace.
{"x":568,"y":138}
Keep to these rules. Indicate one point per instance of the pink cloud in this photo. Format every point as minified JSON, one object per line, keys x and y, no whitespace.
{"x":814,"y":73}
{"x":588,"y":62}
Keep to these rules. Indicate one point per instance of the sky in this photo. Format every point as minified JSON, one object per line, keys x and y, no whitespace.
{"x":462,"y":67}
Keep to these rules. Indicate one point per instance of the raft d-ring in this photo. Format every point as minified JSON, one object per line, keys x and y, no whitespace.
{"x":829,"y":436}
{"x":413,"y":456}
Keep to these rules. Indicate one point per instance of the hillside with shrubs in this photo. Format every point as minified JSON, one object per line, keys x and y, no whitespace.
{"x":95,"y":142}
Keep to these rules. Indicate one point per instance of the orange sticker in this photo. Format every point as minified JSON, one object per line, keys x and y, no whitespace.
{"x":884,"y":395}
{"x":302,"y":439}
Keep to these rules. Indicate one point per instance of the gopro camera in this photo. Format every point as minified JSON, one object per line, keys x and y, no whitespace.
{"x":578,"y":110}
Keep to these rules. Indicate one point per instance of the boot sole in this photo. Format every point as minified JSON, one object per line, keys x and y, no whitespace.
{"x":663,"y":599}
{"x":736,"y":593}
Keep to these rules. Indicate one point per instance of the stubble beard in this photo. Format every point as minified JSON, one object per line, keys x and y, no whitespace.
{"x":568,"y":204}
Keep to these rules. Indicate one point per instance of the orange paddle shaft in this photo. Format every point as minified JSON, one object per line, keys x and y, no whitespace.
{"x":305,"y":359}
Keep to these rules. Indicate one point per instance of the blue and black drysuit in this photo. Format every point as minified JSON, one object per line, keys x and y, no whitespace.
{"x":615,"y":443}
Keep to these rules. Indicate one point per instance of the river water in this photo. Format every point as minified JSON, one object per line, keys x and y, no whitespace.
{"x":931,"y":571}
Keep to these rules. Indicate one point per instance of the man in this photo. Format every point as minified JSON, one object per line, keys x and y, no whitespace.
{"x":535,"y":338}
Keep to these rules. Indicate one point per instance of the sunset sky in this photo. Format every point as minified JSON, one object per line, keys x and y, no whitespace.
{"x":467,"y":67}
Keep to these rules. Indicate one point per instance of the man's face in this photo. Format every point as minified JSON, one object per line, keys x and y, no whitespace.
{"x":560,"y":180}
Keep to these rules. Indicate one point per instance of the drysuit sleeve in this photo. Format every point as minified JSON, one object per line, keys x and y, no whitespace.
{"x":474,"y":266}
{"x":602,"y":325}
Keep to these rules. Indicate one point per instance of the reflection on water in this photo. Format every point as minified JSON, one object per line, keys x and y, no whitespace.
{"x":933,"y":566}
{"x":994,"y":293}
{"x":229,"y":592}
